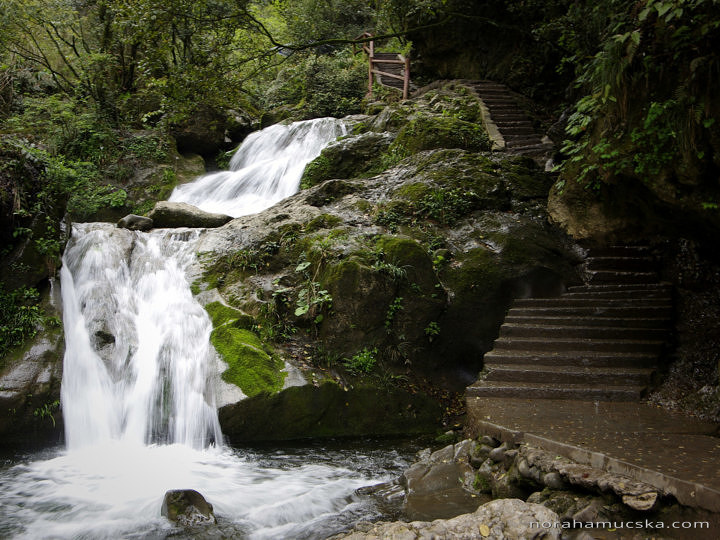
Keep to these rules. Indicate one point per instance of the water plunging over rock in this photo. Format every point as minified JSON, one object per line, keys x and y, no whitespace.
{"x":266,"y":168}
{"x":138,"y":357}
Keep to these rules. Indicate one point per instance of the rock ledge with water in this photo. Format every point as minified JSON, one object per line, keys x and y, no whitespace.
{"x":177,"y":214}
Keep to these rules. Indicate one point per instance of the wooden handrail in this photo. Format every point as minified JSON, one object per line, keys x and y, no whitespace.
{"x":369,"y":49}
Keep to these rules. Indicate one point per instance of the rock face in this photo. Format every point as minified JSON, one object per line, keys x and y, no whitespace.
{"x":176,"y":214}
{"x":30,"y":377}
{"x":135,"y":223}
{"x":328,"y":410}
{"x":503,"y":519}
{"x":187,"y":508}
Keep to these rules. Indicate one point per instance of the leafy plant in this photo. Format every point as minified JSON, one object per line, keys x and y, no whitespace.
{"x":20,"y":317}
{"x":46,"y":411}
{"x":432,"y":330}
{"x":393,"y":309}
{"x":362,"y":363}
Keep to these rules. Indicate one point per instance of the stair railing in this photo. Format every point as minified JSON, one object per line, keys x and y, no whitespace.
{"x":374,"y":66}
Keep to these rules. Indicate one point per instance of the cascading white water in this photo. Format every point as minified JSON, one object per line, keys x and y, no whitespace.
{"x":137,"y":390}
{"x":266,"y":168}
{"x":125,"y":292}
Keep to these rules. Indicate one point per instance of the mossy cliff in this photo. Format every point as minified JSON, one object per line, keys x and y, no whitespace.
{"x":385,"y":276}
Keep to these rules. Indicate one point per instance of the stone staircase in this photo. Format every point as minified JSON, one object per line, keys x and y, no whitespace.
{"x":600,"y":341}
{"x":513,"y":124}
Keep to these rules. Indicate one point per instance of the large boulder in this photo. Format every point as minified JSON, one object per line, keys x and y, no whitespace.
{"x":135,"y":223}
{"x":177,"y":214}
{"x":350,"y":157}
{"x":329,"y":410}
{"x":187,"y":508}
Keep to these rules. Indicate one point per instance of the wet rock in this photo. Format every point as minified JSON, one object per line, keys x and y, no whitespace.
{"x":642,"y":502}
{"x":441,"y":485}
{"x":135,"y":223}
{"x":498,"y":454}
{"x":351,"y":157}
{"x":553,"y":480}
{"x":177,"y":214}
{"x":504,"y":519}
{"x":187,"y":508}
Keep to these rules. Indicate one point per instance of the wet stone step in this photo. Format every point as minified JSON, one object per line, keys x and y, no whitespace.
{"x":622,"y":287}
{"x":620,"y":295}
{"x":569,"y":374}
{"x":621,"y":251}
{"x":511,"y":330}
{"x":627,"y":311}
{"x":624,"y":322}
{"x":562,"y":301}
{"x":621,"y":277}
{"x":638,"y":264}
{"x":579,"y":344}
{"x":555,"y":391}
{"x":571,"y":358}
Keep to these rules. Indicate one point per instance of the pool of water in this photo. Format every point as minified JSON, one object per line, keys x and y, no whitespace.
{"x":116,"y":491}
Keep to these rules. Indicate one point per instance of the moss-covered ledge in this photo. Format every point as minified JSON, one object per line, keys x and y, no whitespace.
{"x":251,"y":366}
{"x":329,"y":410}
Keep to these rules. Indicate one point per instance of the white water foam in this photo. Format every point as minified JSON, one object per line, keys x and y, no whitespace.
{"x":266,"y":168}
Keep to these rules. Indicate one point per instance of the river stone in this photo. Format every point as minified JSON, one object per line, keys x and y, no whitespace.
{"x":135,"y":223}
{"x":177,"y":214}
{"x":187,"y":507}
{"x":503,"y":519}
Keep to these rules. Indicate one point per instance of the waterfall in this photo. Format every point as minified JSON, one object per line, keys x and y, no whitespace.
{"x":138,"y":359}
{"x":138,"y":395}
{"x":265,"y":169}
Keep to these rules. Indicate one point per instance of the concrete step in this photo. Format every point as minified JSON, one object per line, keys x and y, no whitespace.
{"x":570,"y":358}
{"x":579,"y":344}
{"x":513,"y":330}
{"x":512,"y":123}
{"x":571,"y":375}
{"x":628,"y":264}
{"x":607,"y":276}
{"x":562,"y":301}
{"x":518,"y":131}
{"x":619,"y":295}
{"x":510,"y":117}
{"x":626,"y":310}
{"x":517,"y":140}
{"x":621,"y":251}
{"x":622,"y":322}
{"x":622,"y":287}
{"x":555,"y":391}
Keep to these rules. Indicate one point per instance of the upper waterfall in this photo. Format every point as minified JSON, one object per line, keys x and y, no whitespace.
{"x":265,"y":169}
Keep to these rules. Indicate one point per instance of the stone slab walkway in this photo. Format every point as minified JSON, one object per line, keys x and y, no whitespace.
{"x":680,"y":456}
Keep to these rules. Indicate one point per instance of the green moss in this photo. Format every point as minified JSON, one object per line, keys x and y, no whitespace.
{"x":323,"y":221}
{"x":316,"y":171}
{"x":426,"y":133}
{"x":412,"y":192}
{"x":249,"y":367}
{"x":221,"y":314}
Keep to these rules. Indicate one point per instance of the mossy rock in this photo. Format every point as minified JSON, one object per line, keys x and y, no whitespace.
{"x":429,"y":132}
{"x":351,"y":157}
{"x":328,"y":410}
{"x":250,"y":368}
{"x":360,"y":299}
{"x":330,"y":191}
{"x":323,"y":221}
{"x":221,"y":314}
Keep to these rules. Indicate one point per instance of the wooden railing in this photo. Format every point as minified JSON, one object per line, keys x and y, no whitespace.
{"x":390,"y":69}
